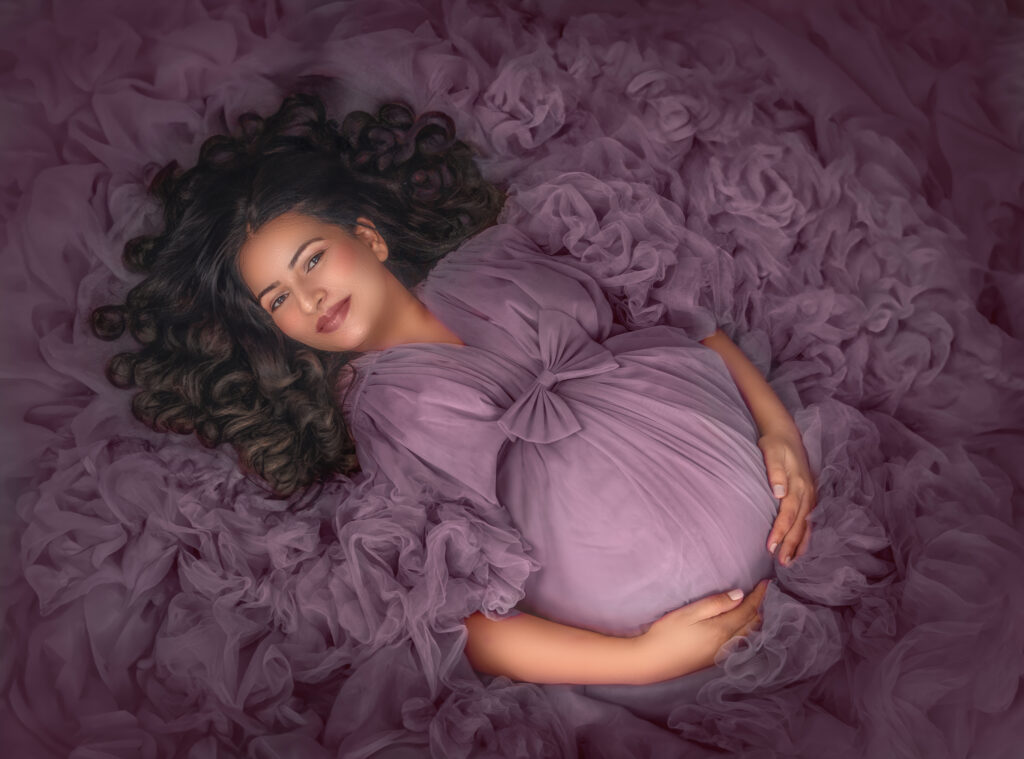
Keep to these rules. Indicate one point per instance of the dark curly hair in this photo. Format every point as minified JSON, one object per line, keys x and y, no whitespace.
{"x":211,"y":360}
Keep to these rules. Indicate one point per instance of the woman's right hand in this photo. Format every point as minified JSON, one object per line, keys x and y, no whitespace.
{"x":686,"y":639}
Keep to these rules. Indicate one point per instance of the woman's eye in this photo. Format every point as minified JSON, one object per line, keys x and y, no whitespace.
{"x":314,"y":260}
{"x":309,"y":265}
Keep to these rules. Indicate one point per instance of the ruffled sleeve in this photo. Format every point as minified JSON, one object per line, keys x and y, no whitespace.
{"x":503,"y":275}
{"x":427,"y":429}
{"x":434,"y":440}
{"x":408,"y":567}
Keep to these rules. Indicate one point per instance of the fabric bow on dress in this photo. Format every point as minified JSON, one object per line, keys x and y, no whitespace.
{"x":567,"y":351}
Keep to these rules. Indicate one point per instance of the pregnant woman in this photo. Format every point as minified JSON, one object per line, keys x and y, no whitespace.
{"x":302,"y":300}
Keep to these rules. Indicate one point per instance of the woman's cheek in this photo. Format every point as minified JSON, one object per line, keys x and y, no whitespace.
{"x":341,"y":267}
{"x":290,"y":324}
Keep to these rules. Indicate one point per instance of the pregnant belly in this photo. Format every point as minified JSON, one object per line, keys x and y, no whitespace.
{"x":652,"y":505}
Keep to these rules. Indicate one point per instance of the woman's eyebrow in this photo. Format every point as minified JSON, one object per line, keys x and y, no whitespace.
{"x":291,"y":264}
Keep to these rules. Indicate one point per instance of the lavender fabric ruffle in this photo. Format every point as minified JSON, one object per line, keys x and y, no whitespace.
{"x":839,"y":184}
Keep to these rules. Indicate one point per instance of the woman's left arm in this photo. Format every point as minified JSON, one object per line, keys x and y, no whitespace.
{"x":785,"y":457}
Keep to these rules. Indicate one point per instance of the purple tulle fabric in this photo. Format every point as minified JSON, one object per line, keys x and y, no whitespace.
{"x":837,"y":186}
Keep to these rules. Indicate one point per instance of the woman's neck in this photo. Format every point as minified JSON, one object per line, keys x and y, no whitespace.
{"x":435,"y":330}
{"x":415,"y":323}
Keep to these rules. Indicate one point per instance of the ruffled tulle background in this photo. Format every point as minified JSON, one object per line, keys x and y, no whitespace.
{"x":841,"y":183}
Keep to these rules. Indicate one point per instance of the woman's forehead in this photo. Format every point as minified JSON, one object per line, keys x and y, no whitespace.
{"x":269,"y":250}
{"x":282,"y":236}
{"x":287,"y":226}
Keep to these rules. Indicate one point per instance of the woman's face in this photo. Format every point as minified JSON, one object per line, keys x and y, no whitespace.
{"x":301,"y":270}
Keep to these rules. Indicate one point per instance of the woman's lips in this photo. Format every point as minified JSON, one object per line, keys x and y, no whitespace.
{"x":334,"y":316}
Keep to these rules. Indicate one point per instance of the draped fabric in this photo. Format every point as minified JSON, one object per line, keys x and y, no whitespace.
{"x":540,"y":415}
{"x":837,"y":186}
{"x":642,"y":490}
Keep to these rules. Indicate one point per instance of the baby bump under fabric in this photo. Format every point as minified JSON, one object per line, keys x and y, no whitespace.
{"x":627,"y":459}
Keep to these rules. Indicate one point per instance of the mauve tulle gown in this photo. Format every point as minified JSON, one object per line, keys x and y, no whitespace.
{"x":627,"y":459}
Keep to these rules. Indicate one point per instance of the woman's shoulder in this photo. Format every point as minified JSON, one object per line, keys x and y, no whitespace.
{"x":420,"y":413}
{"x":416,"y":379}
{"x":502,"y":265}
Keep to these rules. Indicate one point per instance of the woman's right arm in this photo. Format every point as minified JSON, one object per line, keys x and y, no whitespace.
{"x":533,"y":649}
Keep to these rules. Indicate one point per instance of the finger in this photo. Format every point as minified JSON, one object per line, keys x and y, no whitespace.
{"x":787,"y":551}
{"x":739,"y":610}
{"x":795,"y":535}
{"x":789,"y":510}
{"x":775,"y":465}
{"x":753,"y":622}
{"x":756,"y":622}
{"x":739,"y":624}
{"x":790,"y":542}
{"x":713,"y":605}
{"x":805,"y":541}
{"x":746,"y":628}
{"x":760,"y":589}
{"x":754,"y":598}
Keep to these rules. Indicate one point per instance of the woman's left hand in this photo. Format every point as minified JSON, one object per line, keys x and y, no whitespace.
{"x":786,"y":461}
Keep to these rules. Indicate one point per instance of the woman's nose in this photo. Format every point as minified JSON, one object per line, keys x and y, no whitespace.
{"x":311,"y":299}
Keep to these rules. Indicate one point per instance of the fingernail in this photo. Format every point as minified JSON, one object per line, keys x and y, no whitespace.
{"x":736,"y":594}
{"x":773,"y":546}
{"x":779,"y":491}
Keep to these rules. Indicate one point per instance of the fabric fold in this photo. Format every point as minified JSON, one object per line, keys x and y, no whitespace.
{"x":540,"y":415}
